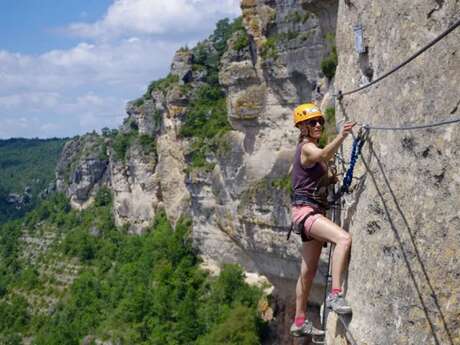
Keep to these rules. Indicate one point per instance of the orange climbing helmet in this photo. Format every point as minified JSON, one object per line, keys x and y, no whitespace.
{"x":306,"y":111}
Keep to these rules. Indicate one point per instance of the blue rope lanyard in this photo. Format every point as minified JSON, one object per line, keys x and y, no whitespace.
{"x":358,"y":144}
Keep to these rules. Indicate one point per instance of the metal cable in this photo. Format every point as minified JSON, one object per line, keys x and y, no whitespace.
{"x":341,"y":94}
{"x":407,"y":128}
{"x":348,"y":334}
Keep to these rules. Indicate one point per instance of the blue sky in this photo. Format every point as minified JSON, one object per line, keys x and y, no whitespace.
{"x":30,"y":26}
{"x":68,"y":67}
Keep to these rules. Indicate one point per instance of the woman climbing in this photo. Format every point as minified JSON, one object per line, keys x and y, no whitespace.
{"x":310,"y":179}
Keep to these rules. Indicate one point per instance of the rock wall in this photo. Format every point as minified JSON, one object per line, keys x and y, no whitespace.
{"x":240,"y":211}
{"x":82,"y":169}
{"x":403,"y":280}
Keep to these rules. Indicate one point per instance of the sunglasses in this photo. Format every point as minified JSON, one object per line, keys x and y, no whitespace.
{"x":313,"y":122}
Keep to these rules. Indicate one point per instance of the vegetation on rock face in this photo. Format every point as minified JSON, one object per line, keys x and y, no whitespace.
{"x":161,"y":85}
{"x":224,"y":30}
{"x":122,"y":141}
{"x":283,"y":183}
{"x":145,"y":289}
{"x":206,"y":116}
{"x":275,"y":41}
{"x":140,"y":101}
{"x":148,"y":144}
{"x":269,"y":48}
{"x":242,"y":40}
{"x":157,"y":119}
{"x":207,"y":54}
{"x":329,"y":64}
{"x":206,"y":120}
{"x":25,"y":163}
{"x":298,"y":16}
{"x":120,"y":144}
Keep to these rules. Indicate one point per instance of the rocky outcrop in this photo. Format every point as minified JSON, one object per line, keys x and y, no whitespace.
{"x":240,"y":210}
{"x":20,"y":200}
{"x":403,"y":277}
{"x":182,"y":66}
{"x":135,"y":188}
{"x":82,"y":168}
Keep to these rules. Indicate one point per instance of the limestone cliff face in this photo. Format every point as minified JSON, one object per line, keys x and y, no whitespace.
{"x":403,"y":278}
{"x":82,"y":169}
{"x":240,"y":209}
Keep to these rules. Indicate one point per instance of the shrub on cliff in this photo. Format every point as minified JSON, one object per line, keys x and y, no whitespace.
{"x":242,"y":41}
{"x":121,"y":143}
{"x":329,"y":64}
{"x":103,"y":197}
{"x":205,"y":121}
{"x":269,"y":48}
{"x":160,"y":85}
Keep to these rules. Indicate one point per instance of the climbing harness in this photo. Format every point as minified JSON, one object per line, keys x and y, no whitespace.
{"x":358,"y":144}
{"x":341,"y":94}
{"x":298,"y":227}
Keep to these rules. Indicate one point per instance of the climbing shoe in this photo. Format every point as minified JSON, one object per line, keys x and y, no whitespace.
{"x":305,"y":329}
{"x":338,"y":304}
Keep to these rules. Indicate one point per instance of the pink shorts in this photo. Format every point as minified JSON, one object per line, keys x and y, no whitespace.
{"x":299,"y":212}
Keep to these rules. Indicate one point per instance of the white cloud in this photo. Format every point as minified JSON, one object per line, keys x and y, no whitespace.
{"x":131,"y":17}
{"x":44,"y":100}
{"x":72,"y":91}
{"x":81,"y":89}
{"x":47,"y":127}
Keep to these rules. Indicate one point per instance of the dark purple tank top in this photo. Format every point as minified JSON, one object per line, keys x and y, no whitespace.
{"x":310,"y":182}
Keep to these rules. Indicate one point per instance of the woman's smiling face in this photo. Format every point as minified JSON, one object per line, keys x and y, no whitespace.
{"x":312,"y":127}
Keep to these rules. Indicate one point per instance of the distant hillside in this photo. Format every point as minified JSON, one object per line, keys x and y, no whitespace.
{"x":69,"y":277}
{"x":26,"y":169}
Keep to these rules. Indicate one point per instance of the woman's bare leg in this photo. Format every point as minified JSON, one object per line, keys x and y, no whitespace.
{"x":324,"y":229}
{"x":311,"y":251}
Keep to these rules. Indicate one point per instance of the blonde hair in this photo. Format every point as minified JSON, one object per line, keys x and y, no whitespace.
{"x":302,"y":136}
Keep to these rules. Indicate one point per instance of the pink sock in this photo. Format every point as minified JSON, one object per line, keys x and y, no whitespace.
{"x":299,"y":321}
{"x":336,"y":291}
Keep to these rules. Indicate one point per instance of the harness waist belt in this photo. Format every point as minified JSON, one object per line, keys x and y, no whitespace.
{"x":305,"y":200}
